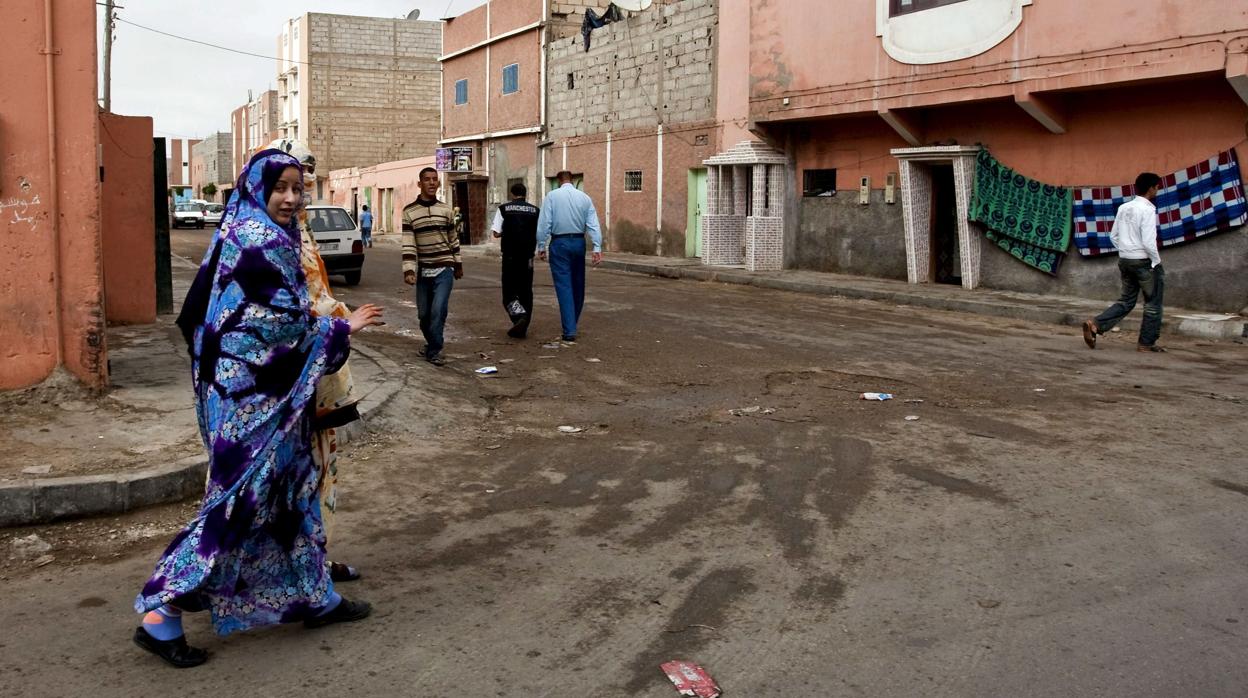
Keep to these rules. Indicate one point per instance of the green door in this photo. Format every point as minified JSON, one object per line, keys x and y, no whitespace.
{"x":697,"y":204}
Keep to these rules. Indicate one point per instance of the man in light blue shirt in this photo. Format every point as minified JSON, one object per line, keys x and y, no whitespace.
{"x":567,"y":215}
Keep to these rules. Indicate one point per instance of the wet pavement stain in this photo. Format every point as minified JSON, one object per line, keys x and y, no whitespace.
{"x":1226,"y":485}
{"x":954,"y":485}
{"x":707,"y":604}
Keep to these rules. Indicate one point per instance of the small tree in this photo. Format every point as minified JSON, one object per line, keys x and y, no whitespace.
{"x":208,"y":190}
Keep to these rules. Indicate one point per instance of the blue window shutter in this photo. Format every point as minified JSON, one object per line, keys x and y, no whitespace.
{"x":511,"y":78}
{"x":461,"y":92}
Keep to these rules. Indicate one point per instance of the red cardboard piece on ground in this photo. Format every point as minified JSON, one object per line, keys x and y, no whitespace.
{"x":691,"y":679}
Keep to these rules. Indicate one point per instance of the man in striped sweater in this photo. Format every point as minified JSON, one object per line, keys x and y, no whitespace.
{"x":431,"y":261}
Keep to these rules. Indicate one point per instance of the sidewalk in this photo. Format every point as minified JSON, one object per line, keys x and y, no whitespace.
{"x":70,"y":453}
{"x":1056,"y":310}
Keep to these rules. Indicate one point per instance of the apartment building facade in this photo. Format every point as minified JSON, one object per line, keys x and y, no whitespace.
{"x":880,"y":137}
{"x":181,"y":161}
{"x":358,"y":90}
{"x":252,"y":127}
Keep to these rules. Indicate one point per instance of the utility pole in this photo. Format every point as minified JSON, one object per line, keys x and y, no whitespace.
{"x":108,"y":56}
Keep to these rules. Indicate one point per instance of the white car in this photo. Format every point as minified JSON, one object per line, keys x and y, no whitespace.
{"x":189,"y":215}
{"x":213,"y":213}
{"x":339,"y":238}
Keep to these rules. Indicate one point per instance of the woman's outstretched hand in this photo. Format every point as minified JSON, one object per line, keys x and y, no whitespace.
{"x":366,"y":315}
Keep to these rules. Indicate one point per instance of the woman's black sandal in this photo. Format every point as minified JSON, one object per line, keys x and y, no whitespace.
{"x":176,"y":652}
{"x":347,"y":611}
{"x":339,"y":572}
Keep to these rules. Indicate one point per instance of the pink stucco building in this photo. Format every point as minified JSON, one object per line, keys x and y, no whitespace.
{"x":877,"y":108}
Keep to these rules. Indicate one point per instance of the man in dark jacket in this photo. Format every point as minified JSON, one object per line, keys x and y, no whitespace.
{"x":516,"y":224}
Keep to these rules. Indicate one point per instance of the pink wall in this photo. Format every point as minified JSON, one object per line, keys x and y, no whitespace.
{"x":463,"y":31}
{"x":506,"y":15}
{"x":790,"y":52}
{"x":128,"y":227}
{"x":402,"y":176}
{"x":1112,"y":135}
{"x":464,"y":119}
{"x":519,"y":109}
{"x":41,"y":257}
{"x":732,"y":86}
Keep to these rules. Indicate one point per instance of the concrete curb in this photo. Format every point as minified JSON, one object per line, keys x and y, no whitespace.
{"x":1056,"y":314}
{"x":38,"y":501}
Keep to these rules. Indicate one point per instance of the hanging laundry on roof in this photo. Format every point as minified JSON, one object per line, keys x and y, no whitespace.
{"x":1196,"y":201}
{"x":592,"y":21}
{"x":1028,"y":219}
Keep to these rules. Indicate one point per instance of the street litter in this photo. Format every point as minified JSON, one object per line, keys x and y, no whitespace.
{"x":487,"y":370}
{"x":493,"y":447}
{"x":691,"y":679}
{"x":505,"y":361}
{"x":29,"y":546}
{"x":877,"y":396}
{"x":570,"y":430}
{"x":913,"y":402}
{"x":45,"y":560}
{"x":593,"y":361}
{"x":552,"y":345}
{"x":988,"y":603}
{"x":1038,"y":390}
{"x":751,"y":410}
{"x":912,"y":418}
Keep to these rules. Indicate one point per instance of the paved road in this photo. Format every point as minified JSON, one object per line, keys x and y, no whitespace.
{"x":1056,"y":521}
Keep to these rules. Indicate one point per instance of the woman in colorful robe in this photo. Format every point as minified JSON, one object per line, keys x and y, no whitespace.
{"x":255,"y":553}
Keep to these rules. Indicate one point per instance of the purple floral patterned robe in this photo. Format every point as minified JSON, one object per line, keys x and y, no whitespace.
{"x":255,"y":553}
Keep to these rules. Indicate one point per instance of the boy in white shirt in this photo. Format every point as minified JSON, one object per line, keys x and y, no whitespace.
{"x":1135,"y":237}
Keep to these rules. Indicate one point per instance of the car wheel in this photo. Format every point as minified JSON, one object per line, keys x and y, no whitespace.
{"x":352,"y":278}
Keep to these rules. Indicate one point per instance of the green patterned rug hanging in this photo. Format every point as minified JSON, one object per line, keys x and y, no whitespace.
{"x":1031,"y":220}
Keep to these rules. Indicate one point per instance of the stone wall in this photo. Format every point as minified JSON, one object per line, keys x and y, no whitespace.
{"x":656,"y":66}
{"x":373,"y":94}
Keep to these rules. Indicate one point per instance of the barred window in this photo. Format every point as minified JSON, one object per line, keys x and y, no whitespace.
{"x":632,"y":180}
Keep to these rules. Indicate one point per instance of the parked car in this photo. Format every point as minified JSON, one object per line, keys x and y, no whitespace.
{"x":213,"y":213}
{"x":190,"y":215}
{"x":340,"y":240}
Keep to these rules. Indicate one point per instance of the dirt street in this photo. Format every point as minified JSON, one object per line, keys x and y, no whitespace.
{"x":1052,"y":522}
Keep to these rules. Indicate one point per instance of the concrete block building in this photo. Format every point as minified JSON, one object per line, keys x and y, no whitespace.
{"x":359,"y":90}
{"x":181,"y":161}
{"x":213,"y":163}
{"x":881,"y":134}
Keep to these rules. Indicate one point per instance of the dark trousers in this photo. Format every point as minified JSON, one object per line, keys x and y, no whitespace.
{"x":567,"y":270}
{"x":433,"y":299}
{"x":1138,"y":276}
{"x":518,"y":287}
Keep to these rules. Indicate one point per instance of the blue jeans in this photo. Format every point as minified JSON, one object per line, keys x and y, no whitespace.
{"x":367,"y":235}
{"x":433,"y":299}
{"x":567,"y":270}
{"x":1137,"y":276}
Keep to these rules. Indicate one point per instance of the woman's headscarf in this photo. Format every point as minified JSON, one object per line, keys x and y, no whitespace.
{"x":249,"y":202}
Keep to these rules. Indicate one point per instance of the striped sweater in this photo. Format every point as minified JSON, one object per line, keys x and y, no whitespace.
{"x":429,"y":240}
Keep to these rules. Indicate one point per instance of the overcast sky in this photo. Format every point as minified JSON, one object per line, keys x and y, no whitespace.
{"x":191,"y":89}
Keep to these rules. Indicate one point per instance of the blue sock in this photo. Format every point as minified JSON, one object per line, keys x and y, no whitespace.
{"x":165,"y":623}
{"x":334,"y":599}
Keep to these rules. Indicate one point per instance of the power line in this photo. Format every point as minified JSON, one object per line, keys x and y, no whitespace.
{"x":275,"y":58}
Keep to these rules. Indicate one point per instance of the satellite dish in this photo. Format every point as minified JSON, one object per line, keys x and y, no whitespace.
{"x":633,"y":5}
{"x":414,"y":14}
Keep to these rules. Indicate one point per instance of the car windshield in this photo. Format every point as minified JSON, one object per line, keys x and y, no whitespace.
{"x":328,"y":220}
{"x":216,"y":208}
{"x":189,"y":207}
